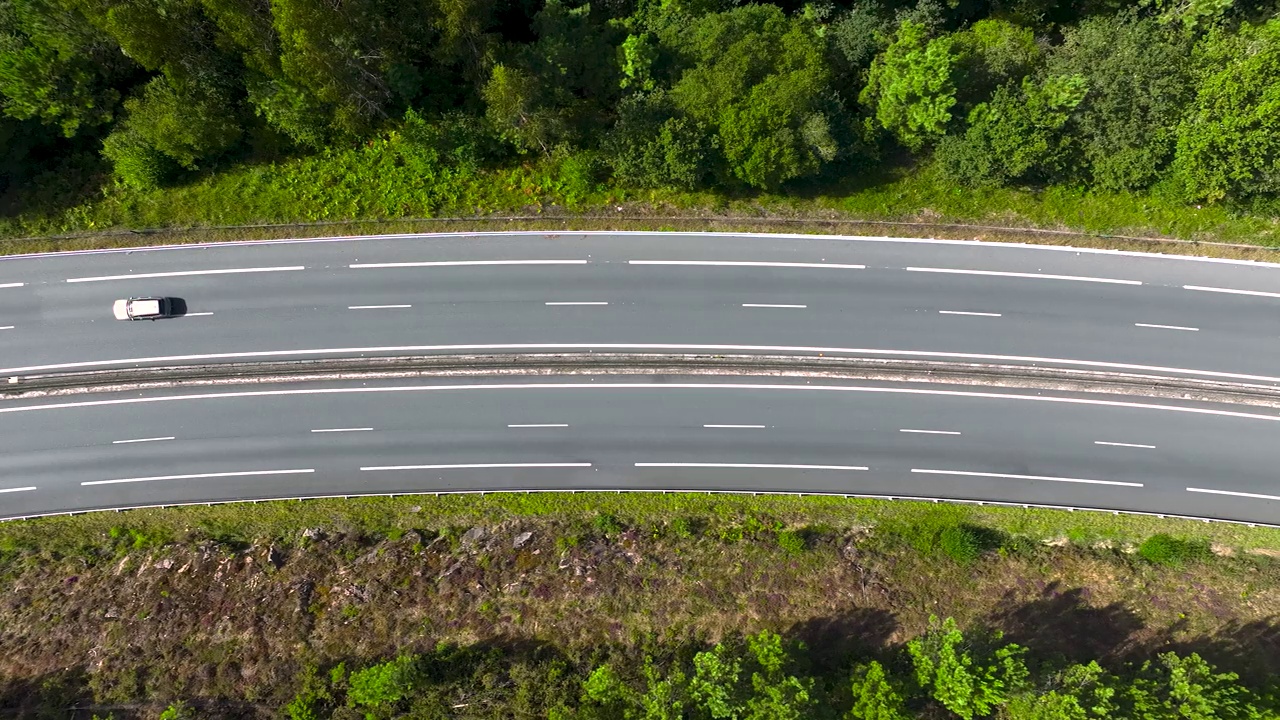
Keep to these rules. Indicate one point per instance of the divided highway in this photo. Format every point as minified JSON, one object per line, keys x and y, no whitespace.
{"x":664,"y":292}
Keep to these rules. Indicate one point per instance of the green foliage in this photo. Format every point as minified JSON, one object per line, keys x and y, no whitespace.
{"x":1229,"y":141}
{"x":380,"y":687}
{"x":1080,"y":692}
{"x":178,"y":711}
{"x":514,"y":105}
{"x":1139,"y":81}
{"x":136,"y":162}
{"x":652,"y":147}
{"x":792,"y":542}
{"x":960,"y":543}
{"x":637,"y":55}
{"x":187,"y":123}
{"x":1163,"y":549}
{"x":1018,"y":135}
{"x":1178,"y":687}
{"x":860,"y":33}
{"x":911,"y":87}
{"x":608,"y":524}
{"x":969,"y":684}
{"x":874,"y":696}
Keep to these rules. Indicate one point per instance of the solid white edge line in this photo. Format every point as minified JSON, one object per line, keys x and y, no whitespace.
{"x":967,"y":473}
{"x":762,"y":466}
{"x":1234,"y":493}
{"x":17,"y":489}
{"x":11,"y":285}
{"x":1166,"y":327}
{"x":728,"y":263}
{"x":773,"y":349}
{"x":851,"y":239}
{"x":769,"y":305}
{"x":185,"y":273}
{"x":1038,"y":276}
{"x":539,"y":425}
{"x":649,"y":386}
{"x":745,"y":427}
{"x":1128,"y":445}
{"x":376,"y":307}
{"x":463,"y":263}
{"x":473,"y":466}
{"x":963,"y":312}
{"x":199,"y":314}
{"x":1231,"y":291}
{"x":138,"y":440}
{"x":930,"y":432}
{"x":246,"y":473}
{"x":577,"y":302}
{"x":329,"y":430}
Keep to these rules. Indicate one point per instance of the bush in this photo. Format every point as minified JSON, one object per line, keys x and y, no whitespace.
{"x":383,"y":685}
{"x":136,"y":162}
{"x":608,"y":524}
{"x":792,"y":542}
{"x":1167,"y":550}
{"x":960,"y":544}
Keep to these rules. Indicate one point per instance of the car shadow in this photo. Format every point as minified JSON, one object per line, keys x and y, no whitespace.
{"x":177,"y":307}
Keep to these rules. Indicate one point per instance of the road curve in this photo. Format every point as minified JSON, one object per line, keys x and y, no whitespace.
{"x":799,"y":295}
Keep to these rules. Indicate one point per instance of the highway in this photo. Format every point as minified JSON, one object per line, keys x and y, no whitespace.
{"x":769,"y":294}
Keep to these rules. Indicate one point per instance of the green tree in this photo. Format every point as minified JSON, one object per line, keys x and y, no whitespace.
{"x":1229,"y":141}
{"x":652,"y":146}
{"x":188,"y":124}
{"x":56,"y":67}
{"x":874,"y":696}
{"x":1018,"y":135}
{"x":516,"y":106}
{"x":911,"y":88}
{"x":378,"y":688}
{"x":1140,"y":84}
{"x":1081,"y":692}
{"x":1190,"y":688}
{"x":969,"y":684}
{"x":761,"y":81}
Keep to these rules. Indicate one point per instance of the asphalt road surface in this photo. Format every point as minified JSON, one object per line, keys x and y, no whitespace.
{"x":767,"y":294}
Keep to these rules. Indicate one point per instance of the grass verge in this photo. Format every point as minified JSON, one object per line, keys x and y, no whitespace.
{"x":236,"y":608}
{"x":373,"y":189}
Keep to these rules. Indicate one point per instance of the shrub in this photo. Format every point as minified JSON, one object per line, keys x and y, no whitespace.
{"x":137,"y":163}
{"x":608,"y":524}
{"x":384,"y":684}
{"x":792,"y":542}
{"x":1163,"y":549}
{"x":960,"y":543}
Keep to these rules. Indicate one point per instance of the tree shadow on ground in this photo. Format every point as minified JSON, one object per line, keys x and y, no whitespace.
{"x":1249,"y":649}
{"x":836,"y":640}
{"x":1061,"y":623}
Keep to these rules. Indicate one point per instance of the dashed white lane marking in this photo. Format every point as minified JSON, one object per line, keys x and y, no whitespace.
{"x":1231,"y":291}
{"x":649,"y":387}
{"x":138,"y":440}
{"x":376,"y":307}
{"x":247,"y":473}
{"x":743,"y":427}
{"x":964,"y":312}
{"x":11,"y":285}
{"x":539,"y":425}
{"x":729,"y":263}
{"x":329,"y":430}
{"x":1128,"y":445}
{"x":199,"y":314}
{"x":966,"y":473}
{"x":474,"y":466}
{"x":6,"y":327}
{"x":930,"y":432}
{"x":1167,"y":327}
{"x":185,"y":273}
{"x":1234,"y":493}
{"x":770,"y":305}
{"x":464,"y":263}
{"x":578,"y":302}
{"x":17,"y":489}
{"x":1037,"y":276}
{"x":762,"y":466}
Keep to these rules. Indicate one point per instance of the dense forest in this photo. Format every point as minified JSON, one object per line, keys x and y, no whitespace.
{"x":1179,"y":98}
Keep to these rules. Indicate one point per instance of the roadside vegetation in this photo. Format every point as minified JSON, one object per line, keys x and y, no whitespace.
{"x":636,"y":605}
{"x":1139,"y":118}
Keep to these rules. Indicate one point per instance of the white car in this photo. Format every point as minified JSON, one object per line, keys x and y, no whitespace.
{"x":145,"y":308}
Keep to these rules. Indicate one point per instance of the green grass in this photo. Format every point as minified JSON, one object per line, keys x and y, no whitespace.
{"x":729,"y":517}
{"x":380,"y":181}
